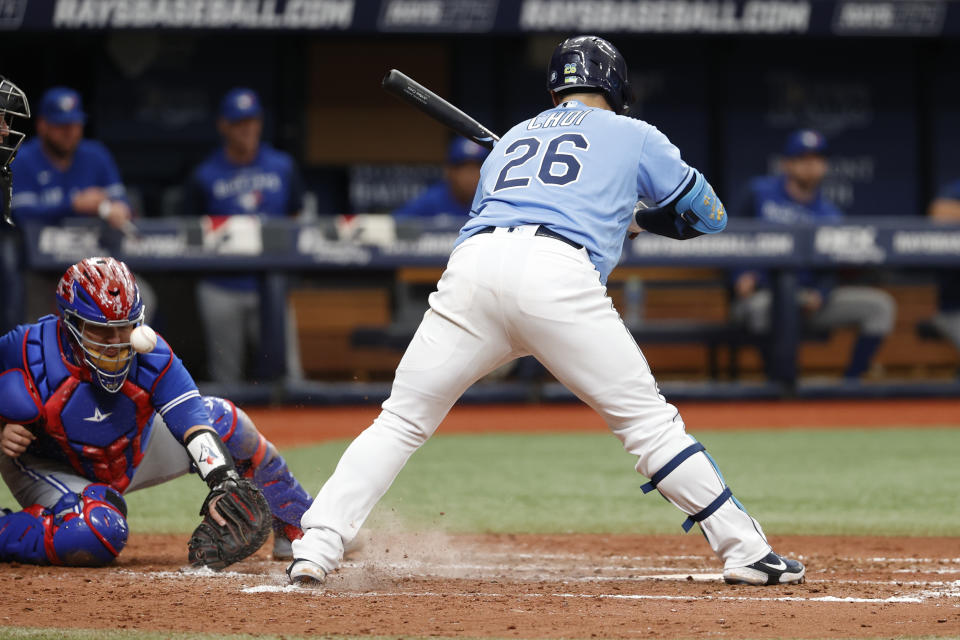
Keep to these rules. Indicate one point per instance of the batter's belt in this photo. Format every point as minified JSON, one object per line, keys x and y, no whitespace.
{"x":542,"y":231}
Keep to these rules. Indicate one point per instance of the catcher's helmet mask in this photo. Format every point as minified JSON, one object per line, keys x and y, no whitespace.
{"x":13,"y":104}
{"x":100,"y":293}
{"x":590,"y":63}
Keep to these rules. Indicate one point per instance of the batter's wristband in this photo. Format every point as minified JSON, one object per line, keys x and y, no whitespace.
{"x":210,"y":456}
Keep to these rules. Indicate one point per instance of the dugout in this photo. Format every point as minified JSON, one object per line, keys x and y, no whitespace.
{"x":724,"y":83}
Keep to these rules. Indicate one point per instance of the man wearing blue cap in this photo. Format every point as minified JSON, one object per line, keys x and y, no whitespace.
{"x":453,"y":195}
{"x":795,"y":197}
{"x":244,"y":176}
{"x":59,"y":174}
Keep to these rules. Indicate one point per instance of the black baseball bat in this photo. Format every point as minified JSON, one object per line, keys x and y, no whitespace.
{"x":411,"y":91}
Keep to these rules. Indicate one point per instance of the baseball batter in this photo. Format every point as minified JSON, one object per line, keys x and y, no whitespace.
{"x":526,"y":277}
{"x":92,"y":407}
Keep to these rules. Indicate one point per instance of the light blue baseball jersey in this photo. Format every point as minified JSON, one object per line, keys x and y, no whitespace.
{"x":579,"y":171}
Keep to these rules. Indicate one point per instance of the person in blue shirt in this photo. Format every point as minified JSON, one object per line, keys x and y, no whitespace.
{"x":85,"y":419}
{"x":453,"y":195}
{"x":945,"y":208}
{"x":59,"y":174}
{"x":244,"y":177}
{"x":795,"y":197}
{"x":555,"y":202}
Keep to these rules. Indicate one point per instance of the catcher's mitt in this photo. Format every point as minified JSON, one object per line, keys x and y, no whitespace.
{"x":248,"y":518}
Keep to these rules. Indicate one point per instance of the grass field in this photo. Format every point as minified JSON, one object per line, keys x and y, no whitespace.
{"x":830,"y":482}
{"x":882,"y":482}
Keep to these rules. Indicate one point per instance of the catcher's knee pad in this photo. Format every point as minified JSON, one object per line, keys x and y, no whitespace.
{"x":714,"y":504}
{"x":83,"y":530}
{"x":91,"y":527}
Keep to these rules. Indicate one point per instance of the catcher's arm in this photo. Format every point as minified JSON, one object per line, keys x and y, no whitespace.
{"x":210,"y":456}
{"x":236,"y":516}
{"x":212,"y":459}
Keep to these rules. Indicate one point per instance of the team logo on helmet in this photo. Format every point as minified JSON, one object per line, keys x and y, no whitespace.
{"x":590,"y":63}
{"x":67,"y":103}
{"x":244,"y":101}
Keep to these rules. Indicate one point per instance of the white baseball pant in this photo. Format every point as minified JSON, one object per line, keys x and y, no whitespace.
{"x":504,"y":295}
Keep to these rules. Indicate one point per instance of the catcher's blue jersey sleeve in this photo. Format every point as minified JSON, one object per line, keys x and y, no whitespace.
{"x":580,"y":171}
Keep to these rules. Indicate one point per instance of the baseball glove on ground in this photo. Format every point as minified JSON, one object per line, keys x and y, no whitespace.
{"x":248,"y":518}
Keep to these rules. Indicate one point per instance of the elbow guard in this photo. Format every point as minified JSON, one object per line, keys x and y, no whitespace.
{"x":695,"y":211}
{"x":699,"y":206}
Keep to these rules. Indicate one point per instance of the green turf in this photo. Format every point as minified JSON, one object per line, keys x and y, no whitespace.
{"x":881,"y":482}
{"x":802,"y":482}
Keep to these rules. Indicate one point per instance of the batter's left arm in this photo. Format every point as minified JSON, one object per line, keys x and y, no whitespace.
{"x":694,"y":211}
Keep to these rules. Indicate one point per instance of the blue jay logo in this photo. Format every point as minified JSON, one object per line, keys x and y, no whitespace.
{"x":208,"y":455}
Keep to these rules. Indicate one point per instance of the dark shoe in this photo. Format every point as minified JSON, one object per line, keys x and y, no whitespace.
{"x":772,"y":569}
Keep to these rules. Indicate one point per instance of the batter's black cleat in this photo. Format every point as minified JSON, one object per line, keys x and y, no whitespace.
{"x":772,"y":569}
{"x":306,"y":573}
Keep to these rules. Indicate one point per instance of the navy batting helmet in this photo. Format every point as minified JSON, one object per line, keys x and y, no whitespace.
{"x":589,"y":62}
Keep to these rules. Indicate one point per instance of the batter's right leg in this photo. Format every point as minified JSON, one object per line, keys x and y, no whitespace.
{"x":459,"y":341}
{"x":596,"y":358}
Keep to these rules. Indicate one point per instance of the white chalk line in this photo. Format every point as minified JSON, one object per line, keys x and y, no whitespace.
{"x":928,"y":589}
{"x":582,"y":596}
{"x":935,"y":571}
{"x":674,"y":577}
{"x":914,"y":560}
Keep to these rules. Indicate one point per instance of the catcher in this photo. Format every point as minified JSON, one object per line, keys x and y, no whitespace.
{"x":93,"y":405}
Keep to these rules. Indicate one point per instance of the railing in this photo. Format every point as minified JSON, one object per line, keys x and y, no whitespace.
{"x":348,"y":243}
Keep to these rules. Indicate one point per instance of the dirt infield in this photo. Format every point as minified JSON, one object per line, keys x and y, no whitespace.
{"x":290,"y":426}
{"x":524,"y":586}
{"x":573,"y":586}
